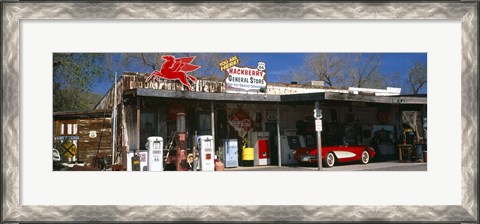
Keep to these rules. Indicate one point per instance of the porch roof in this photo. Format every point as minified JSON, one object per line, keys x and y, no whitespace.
{"x":266,"y":98}
{"x":333,"y":96}
{"x":204,"y":96}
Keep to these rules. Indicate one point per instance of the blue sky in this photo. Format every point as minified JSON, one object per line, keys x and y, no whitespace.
{"x":278,"y":65}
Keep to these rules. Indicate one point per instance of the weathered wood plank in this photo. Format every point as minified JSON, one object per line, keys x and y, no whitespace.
{"x":208,"y":96}
{"x":311,"y":97}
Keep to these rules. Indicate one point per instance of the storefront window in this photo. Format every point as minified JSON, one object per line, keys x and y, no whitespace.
{"x":148,"y":127}
{"x":205,"y":124}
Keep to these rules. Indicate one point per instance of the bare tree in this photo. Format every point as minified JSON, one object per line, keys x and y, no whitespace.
{"x":413,"y":119}
{"x":342,"y":70}
{"x":326,"y":67}
{"x":394,"y":79}
{"x":417,"y":77}
{"x":209,"y":62}
{"x":153,"y":61}
{"x":296,"y":75}
{"x":149,"y":60}
{"x":363,"y":71}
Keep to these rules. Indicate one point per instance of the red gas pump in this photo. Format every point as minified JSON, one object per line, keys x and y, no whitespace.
{"x":261,"y":144}
{"x":181,"y":140}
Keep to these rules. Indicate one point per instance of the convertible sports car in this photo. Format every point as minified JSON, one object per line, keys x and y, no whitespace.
{"x":334,"y":154}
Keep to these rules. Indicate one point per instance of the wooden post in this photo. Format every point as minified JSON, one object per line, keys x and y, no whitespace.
{"x":212,"y":111}
{"x":138,"y":125}
{"x":279,"y":139}
{"x":124,"y":132}
{"x":424,"y":121}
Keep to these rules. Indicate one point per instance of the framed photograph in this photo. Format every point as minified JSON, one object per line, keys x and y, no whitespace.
{"x":446,"y":31}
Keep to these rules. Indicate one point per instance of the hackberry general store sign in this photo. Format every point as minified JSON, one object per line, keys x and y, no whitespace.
{"x":244,"y":79}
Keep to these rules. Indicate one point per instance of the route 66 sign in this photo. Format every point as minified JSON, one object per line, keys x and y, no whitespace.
{"x":271,"y":115}
{"x":261,"y":66}
{"x":92,"y":134}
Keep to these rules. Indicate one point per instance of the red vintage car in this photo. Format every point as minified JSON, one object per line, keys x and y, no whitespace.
{"x":333,"y":154}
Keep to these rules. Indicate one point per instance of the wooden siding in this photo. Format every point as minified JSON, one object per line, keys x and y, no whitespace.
{"x":88,"y":148}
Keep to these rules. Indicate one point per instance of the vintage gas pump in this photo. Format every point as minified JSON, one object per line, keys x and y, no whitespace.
{"x":181,"y":140}
{"x":154,"y":146}
{"x":261,"y":144}
{"x":207,"y":154}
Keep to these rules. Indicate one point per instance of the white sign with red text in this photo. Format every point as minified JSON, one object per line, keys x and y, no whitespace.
{"x":244,"y":79}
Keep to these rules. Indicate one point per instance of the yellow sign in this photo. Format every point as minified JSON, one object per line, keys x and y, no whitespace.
{"x":70,"y":149}
{"x":226,"y":64}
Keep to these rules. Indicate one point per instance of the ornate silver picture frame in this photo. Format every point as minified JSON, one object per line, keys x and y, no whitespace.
{"x":14,"y":12}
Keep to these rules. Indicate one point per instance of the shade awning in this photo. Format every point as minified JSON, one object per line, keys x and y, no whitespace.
{"x":266,"y":98}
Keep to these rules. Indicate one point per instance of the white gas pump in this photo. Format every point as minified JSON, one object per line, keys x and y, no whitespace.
{"x":207,"y":154}
{"x":155,"y":154}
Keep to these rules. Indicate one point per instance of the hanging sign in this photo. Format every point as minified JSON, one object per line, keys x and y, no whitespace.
{"x":67,"y":137}
{"x":318,"y":125}
{"x":244,"y":79}
{"x":176,"y":69}
{"x":384,"y":117}
{"x":174,"y":108}
{"x":241,"y":122}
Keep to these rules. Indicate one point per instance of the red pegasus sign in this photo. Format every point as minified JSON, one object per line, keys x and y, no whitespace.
{"x":176,"y":69}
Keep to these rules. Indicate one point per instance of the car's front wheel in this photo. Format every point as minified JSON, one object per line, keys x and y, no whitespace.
{"x":365,"y":157}
{"x":329,"y":160}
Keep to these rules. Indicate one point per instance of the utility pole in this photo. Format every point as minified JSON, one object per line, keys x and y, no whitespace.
{"x":317,"y":113}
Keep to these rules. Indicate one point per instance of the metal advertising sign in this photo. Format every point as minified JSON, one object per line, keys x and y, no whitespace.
{"x":226,"y":64}
{"x":176,"y":69}
{"x":384,"y":117}
{"x":92,"y":134}
{"x":70,"y":149}
{"x":241,"y":122}
{"x":67,"y":137}
{"x":318,"y":125}
{"x":244,"y":79}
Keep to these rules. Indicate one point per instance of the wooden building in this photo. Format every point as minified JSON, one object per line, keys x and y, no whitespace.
{"x":89,"y":131}
{"x":149,"y":108}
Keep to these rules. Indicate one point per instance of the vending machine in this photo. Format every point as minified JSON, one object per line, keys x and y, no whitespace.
{"x":261,"y":144}
{"x":230,"y":152}
{"x":289,"y":144}
{"x":155,"y":153}
{"x":383,"y":141}
{"x":143,"y":155}
{"x":207,"y":154}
